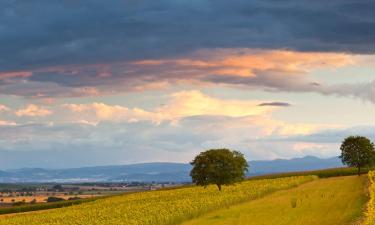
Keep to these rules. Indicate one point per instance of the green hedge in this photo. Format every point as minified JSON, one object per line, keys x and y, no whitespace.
{"x":334,"y":172}
{"x":42,"y":206}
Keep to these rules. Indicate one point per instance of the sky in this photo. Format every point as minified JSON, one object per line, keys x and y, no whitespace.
{"x":87,"y":83}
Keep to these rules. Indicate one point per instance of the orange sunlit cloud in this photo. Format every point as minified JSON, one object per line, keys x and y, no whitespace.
{"x":33,"y":111}
{"x":243,"y":62}
{"x":279,"y":69}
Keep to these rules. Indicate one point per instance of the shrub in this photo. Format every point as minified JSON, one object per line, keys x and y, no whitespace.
{"x":55,"y":199}
{"x":19,"y":203}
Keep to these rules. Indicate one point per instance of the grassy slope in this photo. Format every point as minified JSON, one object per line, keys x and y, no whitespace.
{"x":329,"y":201}
{"x":324,"y":173}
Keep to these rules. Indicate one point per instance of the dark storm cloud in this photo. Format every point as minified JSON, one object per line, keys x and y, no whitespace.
{"x":49,"y":32}
{"x":278,"y":104}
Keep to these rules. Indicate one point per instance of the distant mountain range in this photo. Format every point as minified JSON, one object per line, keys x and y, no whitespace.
{"x":157,"y":172}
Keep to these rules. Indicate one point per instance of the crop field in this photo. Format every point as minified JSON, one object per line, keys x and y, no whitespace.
{"x":330,"y":201}
{"x":157,"y":207}
{"x":7,"y":211}
{"x":41,"y":198}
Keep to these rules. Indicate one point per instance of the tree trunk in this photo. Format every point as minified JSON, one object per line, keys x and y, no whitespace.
{"x":359,"y":171}
{"x":219,"y":186}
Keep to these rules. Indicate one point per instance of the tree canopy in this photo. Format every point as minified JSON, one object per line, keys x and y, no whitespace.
{"x":218,"y":166}
{"x":357,"y":151}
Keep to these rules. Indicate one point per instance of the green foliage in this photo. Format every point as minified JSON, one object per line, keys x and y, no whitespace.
{"x":19,"y":203}
{"x":218,"y":166}
{"x":55,"y":199}
{"x":43,"y":206}
{"x":357,"y":151}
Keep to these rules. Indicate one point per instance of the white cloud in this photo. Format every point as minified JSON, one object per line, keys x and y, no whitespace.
{"x":186,"y":124}
{"x":7,"y":123}
{"x":102,"y":112}
{"x":181,"y":104}
{"x":236,"y":114}
{"x":33,"y":111}
{"x":126,"y":142}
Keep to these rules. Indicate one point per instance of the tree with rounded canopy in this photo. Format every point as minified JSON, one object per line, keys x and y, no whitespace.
{"x":357,"y":151}
{"x":218,"y":166}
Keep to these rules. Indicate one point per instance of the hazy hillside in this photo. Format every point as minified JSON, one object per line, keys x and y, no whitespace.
{"x":295,"y":164}
{"x":159,"y":172}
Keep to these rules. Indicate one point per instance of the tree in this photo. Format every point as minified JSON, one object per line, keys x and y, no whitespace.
{"x":357,"y":151}
{"x":218,"y":166}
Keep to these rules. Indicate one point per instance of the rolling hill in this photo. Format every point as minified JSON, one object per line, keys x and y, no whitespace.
{"x":157,"y":172}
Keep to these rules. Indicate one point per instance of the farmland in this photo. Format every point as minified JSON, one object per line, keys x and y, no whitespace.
{"x":333,"y":201}
{"x":158,"y":207}
{"x":24,"y":197}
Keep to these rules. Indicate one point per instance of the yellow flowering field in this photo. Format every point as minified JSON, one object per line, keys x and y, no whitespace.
{"x":370,"y":214}
{"x":156,"y":207}
{"x":328,"y":201}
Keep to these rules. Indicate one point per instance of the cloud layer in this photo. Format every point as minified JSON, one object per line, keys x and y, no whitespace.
{"x":266,"y":69}
{"x":73,"y":49}
{"x":67,"y":68}
{"x":44,"y":33}
{"x":188,"y":122}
